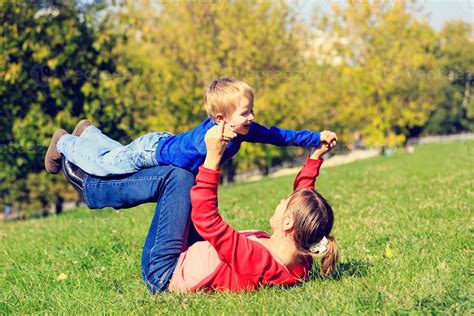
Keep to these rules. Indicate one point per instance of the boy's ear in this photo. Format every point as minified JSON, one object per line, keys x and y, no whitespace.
{"x":219,"y":117}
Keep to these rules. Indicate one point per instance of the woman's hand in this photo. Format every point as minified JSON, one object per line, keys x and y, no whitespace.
{"x":216,"y":140}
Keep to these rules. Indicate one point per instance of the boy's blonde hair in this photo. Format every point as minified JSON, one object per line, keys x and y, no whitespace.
{"x":224,"y":94}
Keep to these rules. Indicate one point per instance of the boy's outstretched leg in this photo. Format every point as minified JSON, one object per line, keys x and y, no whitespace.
{"x":86,"y":154}
{"x":85,"y":129}
{"x":52,"y":160}
{"x":93,"y":158}
{"x":94,"y":134}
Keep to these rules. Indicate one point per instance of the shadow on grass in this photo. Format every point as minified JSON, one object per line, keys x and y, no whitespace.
{"x":349,"y":268}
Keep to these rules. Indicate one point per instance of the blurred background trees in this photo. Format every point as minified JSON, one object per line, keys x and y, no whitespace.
{"x":138,"y":66}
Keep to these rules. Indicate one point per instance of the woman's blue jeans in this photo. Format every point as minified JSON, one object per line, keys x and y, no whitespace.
{"x":170,"y":231}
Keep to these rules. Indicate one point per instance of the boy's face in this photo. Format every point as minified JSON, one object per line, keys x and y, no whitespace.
{"x":242,"y":117}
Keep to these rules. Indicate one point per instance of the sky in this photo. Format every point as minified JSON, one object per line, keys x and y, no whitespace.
{"x":439,"y":10}
{"x":442,"y":10}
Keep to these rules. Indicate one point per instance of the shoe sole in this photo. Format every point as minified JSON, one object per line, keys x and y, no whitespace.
{"x":51,"y":163}
{"x":80,"y":127}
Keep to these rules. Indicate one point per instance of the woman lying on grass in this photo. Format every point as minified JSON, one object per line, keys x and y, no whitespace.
{"x":243,"y":261}
{"x":226,"y":259}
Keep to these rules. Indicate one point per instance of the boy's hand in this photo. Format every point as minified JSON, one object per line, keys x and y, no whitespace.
{"x":326,"y":144}
{"x":329,"y":138}
{"x":216,"y":144}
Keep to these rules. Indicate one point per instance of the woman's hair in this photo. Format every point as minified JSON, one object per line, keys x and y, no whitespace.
{"x":313,"y":219}
{"x":224,"y":94}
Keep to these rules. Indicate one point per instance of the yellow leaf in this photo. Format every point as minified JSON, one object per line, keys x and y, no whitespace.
{"x":62,"y":277}
{"x":52,"y":63}
{"x":442,"y":266}
{"x":389,"y":252}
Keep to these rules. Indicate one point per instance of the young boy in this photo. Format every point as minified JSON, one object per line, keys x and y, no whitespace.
{"x":226,"y":99}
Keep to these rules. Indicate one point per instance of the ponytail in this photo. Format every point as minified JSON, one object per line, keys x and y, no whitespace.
{"x":313,"y":219}
{"x":329,"y":258}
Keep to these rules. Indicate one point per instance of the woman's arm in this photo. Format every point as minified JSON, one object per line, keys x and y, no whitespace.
{"x":244,"y":255}
{"x":310,"y":170}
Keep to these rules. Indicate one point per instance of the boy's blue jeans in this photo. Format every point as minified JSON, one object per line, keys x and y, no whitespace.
{"x":99,"y":155}
{"x":170,"y":232}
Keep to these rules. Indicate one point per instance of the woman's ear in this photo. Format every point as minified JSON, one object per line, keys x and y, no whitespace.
{"x":287,"y":224}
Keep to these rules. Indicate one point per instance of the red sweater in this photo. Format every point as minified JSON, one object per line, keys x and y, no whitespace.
{"x":241,"y":261}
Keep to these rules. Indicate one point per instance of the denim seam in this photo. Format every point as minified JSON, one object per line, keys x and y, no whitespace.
{"x":159,"y":226}
{"x":160,"y":280}
{"x":126,"y":180}
{"x":84,"y":190}
{"x":157,"y":231}
{"x":167,"y":274}
{"x":152,"y":286}
{"x":86,"y":186}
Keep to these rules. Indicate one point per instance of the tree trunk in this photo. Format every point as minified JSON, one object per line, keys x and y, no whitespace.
{"x":467,"y":91}
{"x":59,"y":205}
{"x":231,"y":167}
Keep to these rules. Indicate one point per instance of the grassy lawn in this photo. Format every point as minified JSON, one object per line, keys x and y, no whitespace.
{"x":403,"y":223}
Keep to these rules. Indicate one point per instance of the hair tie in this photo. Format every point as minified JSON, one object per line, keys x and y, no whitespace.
{"x":320,"y":246}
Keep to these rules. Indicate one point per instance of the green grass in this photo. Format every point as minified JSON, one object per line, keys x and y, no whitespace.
{"x":418,"y":207}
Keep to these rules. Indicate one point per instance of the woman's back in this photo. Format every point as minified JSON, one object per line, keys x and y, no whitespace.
{"x":201,"y":268}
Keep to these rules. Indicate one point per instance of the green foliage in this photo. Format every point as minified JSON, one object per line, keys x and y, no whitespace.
{"x":138,"y":66}
{"x":399,"y":225}
{"x":388,"y":80}
{"x":47,"y":57}
{"x":214,"y":39}
{"x":455,"y":113}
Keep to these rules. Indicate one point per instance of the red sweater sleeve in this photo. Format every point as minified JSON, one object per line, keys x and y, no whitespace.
{"x":245,"y":256}
{"x":308,"y":173}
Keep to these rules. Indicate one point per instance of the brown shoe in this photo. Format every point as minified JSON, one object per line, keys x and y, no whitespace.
{"x":80,"y":127}
{"x":52,"y":160}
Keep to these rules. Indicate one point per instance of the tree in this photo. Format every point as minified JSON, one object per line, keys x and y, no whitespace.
{"x":177,"y":49}
{"x":455,"y":112}
{"x":390,"y":76}
{"x":47,"y":59}
{"x":138,"y":66}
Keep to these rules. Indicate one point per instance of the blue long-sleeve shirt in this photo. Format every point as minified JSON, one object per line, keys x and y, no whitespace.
{"x":188,"y":149}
